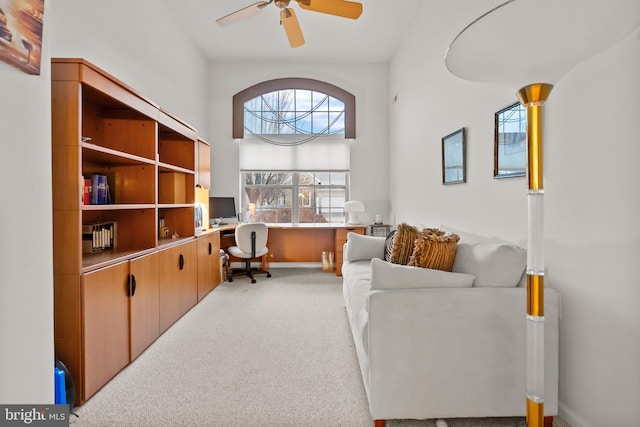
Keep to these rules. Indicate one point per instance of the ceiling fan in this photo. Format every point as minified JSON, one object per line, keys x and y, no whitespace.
{"x":288,"y":19}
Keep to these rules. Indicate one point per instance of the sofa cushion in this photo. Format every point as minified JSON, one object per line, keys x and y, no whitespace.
{"x":362,"y":247}
{"x":494,"y":264}
{"x":434,"y":249}
{"x":386,"y":275}
{"x":466,"y":236}
{"x":403,"y":242}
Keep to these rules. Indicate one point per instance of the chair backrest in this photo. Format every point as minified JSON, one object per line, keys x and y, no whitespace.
{"x":243,"y":236}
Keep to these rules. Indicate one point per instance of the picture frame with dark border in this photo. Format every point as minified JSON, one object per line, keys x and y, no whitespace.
{"x":510,"y":142}
{"x":454,"y":157}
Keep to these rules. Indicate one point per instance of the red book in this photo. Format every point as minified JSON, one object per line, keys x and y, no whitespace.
{"x":86,"y":191}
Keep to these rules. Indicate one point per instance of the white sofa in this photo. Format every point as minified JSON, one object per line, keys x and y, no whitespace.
{"x":434,"y":344}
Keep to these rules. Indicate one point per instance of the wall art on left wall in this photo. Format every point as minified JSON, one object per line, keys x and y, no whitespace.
{"x":21,"y":33}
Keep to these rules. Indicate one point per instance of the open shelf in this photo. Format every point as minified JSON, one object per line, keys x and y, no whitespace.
{"x":98,"y":260}
{"x":116,"y":207}
{"x":97,"y":154}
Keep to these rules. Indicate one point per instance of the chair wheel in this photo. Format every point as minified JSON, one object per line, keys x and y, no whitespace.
{"x":253,"y":280}
{"x":230,"y":279}
{"x":268,"y":274}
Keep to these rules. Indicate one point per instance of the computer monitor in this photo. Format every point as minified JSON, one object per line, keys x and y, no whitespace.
{"x":221,"y":209}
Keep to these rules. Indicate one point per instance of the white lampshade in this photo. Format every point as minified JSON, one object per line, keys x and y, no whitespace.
{"x":521,"y":42}
{"x":354,"y":208}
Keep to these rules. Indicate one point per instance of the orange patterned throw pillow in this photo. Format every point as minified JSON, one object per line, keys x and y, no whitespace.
{"x":434,"y":249}
{"x":403,"y":242}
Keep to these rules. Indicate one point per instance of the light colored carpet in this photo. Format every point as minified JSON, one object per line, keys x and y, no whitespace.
{"x":275,"y":353}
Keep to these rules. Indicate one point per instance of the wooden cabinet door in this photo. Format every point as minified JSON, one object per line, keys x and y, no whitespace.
{"x":144,"y":303}
{"x":208,"y":264}
{"x":105,"y":314}
{"x":178,"y":267}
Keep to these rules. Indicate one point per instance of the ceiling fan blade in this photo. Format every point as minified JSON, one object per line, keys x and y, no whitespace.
{"x":242,"y":13}
{"x":291,"y":27}
{"x":346,"y":9}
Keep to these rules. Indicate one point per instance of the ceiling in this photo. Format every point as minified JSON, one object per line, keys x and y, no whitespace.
{"x":371,"y":38}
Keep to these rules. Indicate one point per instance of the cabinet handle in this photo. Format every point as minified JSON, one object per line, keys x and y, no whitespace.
{"x":131,"y":285}
{"x":210,"y":248}
{"x":181,"y":261}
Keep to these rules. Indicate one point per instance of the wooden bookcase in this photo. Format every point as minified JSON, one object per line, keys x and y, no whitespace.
{"x":109,"y":305}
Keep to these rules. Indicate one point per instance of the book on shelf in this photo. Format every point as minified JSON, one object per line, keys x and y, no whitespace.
{"x":98,"y":189}
{"x":86,"y":191}
{"x":98,"y":237}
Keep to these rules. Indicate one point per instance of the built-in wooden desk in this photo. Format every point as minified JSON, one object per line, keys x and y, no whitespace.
{"x":300,"y":242}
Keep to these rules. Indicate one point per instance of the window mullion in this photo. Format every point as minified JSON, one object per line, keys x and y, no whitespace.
{"x":295,"y":206}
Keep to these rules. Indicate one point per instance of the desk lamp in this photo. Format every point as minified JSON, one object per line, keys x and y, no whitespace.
{"x":528,"y":45}
{"x":353,"y":208}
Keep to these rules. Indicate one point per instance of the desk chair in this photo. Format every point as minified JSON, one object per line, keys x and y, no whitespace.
{"x":251,"y":243}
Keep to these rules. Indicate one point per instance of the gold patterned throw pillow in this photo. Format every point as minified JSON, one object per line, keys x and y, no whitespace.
{"x":434,"y":249}
{"x":403,"y":242}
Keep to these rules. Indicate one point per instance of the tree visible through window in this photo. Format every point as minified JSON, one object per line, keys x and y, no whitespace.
{"x":294,"y":111}
{"x":286,"y":197}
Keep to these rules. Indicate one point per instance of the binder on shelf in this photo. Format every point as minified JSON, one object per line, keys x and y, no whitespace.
{"x":98,"y":189}
{"x":98,"y":237}
{"x":114,"y":187}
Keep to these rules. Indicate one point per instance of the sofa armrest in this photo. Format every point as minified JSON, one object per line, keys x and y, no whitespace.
{"x":454,"y":352}
{"x":362,"y":247}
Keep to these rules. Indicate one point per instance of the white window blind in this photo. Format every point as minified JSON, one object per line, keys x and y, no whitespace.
{"x":321,"y":154}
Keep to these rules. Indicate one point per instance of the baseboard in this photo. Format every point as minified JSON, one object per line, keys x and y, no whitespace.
{"x":257,"y":264}
{"x":570,"y":418}
{"x":559,"y":422}
{"x":295,"y":264}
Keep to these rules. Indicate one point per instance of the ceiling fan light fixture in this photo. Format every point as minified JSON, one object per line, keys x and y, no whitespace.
{"x":291,"y":26}
{"x":282,"y":3}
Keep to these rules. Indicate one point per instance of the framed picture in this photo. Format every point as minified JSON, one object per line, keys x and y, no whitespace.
{"x":454,"y":162}
{"x":21,"y":33}
{"x":510,"y":142}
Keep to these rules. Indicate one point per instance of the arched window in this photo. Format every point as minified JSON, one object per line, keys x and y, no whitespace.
{"x":294,"y":106}
{"x":294,"y":112}
{"x":293,"y":179}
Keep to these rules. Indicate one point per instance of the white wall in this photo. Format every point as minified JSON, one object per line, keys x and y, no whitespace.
{"x":139,"y":43}
{"x":592,"y":200}
{"x":593,"y":234}
{"x":161,"y":64}
{"x":26,"y":267}
{"x":432,"y":103}
{"x":369,"y":151}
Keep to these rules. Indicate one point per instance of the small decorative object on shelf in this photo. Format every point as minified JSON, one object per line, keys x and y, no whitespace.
{"x":380,"y":230}
{"x":163,"y":231}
